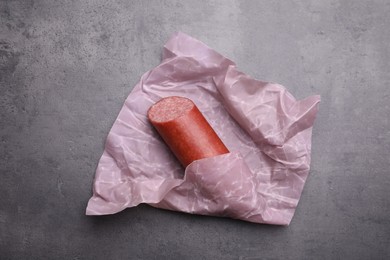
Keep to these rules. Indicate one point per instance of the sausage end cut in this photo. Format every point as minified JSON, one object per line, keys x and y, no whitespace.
{"x":185,"y":130}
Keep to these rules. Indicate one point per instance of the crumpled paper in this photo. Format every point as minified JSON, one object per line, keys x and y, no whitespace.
{"x":267,"y":131}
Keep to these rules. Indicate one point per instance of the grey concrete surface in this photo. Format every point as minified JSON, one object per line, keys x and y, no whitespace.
{"x":66,"y":68}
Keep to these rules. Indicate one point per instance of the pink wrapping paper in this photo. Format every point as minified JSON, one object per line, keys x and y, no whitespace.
{"x":267,"y":131}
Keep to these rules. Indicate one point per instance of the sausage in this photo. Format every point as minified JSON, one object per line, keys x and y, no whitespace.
{"x":185,"y":130}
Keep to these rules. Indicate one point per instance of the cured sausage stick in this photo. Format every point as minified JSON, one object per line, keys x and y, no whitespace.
{"x":185,"y":130}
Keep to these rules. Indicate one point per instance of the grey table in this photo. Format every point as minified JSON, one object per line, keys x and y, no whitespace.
{"x":66,"y":68}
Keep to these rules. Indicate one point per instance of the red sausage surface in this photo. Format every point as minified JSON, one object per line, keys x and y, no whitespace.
{"x":185,"y":130}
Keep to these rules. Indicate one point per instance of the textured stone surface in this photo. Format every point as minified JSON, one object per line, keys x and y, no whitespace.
{"x":67,"y":66}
